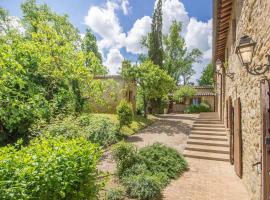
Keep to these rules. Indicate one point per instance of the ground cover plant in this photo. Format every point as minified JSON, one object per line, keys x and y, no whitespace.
{"x":50,"y":168}
{"x":145,"y":172}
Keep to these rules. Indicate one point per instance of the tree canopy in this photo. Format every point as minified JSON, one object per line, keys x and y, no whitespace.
{"x":207,"y":75}
{"x":177,"y":60}
{"x":42,"y":71}
{"x":154,"y":43}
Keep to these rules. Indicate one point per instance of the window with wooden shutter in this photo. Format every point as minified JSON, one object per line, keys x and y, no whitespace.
{"x":237,"y":138}
{"x":231,"y":127}
{"x":265,"y":131}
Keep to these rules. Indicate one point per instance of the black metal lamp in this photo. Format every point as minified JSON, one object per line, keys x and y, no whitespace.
{"x":245,"y":52}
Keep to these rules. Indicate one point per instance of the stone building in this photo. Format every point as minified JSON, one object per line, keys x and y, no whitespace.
{"x":115,"y":89}
{"x":203,"y":94}
{"x":241,"y":46}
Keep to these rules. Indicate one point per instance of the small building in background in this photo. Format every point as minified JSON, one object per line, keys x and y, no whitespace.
{"x":114,"y":89}
{"x":204,"y":94}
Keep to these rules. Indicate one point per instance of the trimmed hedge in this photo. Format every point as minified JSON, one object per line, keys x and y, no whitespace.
{"x":50,"y":168}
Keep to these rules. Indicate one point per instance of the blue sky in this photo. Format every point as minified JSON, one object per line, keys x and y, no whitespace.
{"x":120,"y":24}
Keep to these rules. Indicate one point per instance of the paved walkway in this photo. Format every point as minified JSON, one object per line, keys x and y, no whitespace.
{"x":206,"y":179}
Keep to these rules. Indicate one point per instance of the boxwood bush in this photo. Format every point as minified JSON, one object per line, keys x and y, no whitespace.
{"x":50,"y":168}
{"x":97,"y":129}
{"x":147,"y":171}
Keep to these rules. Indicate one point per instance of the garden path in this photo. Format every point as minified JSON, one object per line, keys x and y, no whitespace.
{"x":206,"y":179}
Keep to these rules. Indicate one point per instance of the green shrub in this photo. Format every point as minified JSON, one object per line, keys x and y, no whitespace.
{"x":126,"y":156}
{"x":145,"y":172}
{"x":115,"y":194}
{"x":143,"y":187}
{"x":97,"y":129}
{"x":52,"y":168}
{"x":124,"y":113}
{"x":162,"y":159}
{"x":203,"y":107}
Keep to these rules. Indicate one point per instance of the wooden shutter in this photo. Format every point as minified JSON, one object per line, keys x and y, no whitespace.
{"x":237,"y":138}
{"x":265,"y":131}
{"x":231,"y":127}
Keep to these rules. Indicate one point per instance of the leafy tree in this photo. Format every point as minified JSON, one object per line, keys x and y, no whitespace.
{"x":177,"y":60}
{"x":153,"y":82}
{"x":93,"y":56}
{"x":89,"y":44}
{"x":42,"y":72}
{"x":207,"y":75}
{"x":184,"y":92}
{"x":155,"y":48}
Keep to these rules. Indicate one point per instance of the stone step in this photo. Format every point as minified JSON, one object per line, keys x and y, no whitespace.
{"x":204,"y":148}
{"x":208,"y":137}
{"x":206,"y":155}
{"x":209,"y":129}
{"x":208,"y":142}
{"x":207,"y":122}
{"x":198,"y":132}
{"x":202,"y":125}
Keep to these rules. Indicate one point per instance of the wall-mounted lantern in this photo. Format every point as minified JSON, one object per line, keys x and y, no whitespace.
{"x":245,"y":52}
{"x":219,"y":69}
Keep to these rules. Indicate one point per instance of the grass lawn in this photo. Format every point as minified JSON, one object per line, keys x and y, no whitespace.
{"x":138,"y":123}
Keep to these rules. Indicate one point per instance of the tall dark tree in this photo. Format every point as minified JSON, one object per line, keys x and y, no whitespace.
{"x":207,"y":75}
{"x":89,"y":44}
{"x":155,"y":48}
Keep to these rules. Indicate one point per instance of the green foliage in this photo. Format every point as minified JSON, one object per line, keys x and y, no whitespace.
{"x":97,"y":129}
{"x":89,"y":44}
{"x":154,"y":83}
{"x":125,"y":113}
{"x":203,"y":107}
{"x":184,"y":92}
{"x":162,"y":159}
{"x":42,"y":72}
{"x":52,"y":168}
{"x":145,"y":172}
{"x":207,"y":77}
{"x":143,"y":187}
{"x":154,"y":43}
{"x":125,"y":155}
{"x":177,"y":60}
{"x":115,"y":194}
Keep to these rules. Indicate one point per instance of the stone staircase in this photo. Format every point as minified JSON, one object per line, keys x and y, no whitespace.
{"x":208,"y":139}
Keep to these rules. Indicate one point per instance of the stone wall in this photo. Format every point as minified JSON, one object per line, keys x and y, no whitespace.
{"x":252,"y":18}
{"x":115,"y":89}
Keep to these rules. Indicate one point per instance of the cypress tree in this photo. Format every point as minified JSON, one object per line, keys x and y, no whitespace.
{"x":155,"y":50}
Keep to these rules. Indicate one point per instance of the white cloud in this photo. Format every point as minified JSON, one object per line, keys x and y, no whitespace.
{"x":104,"y":22}
{"x":173,"y":10}
{"x":198,"y":34}
{"x":134,"y":37}
{"x":12,"y":23}
{"x":125,"y":7}
{"x":114,"y":61}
